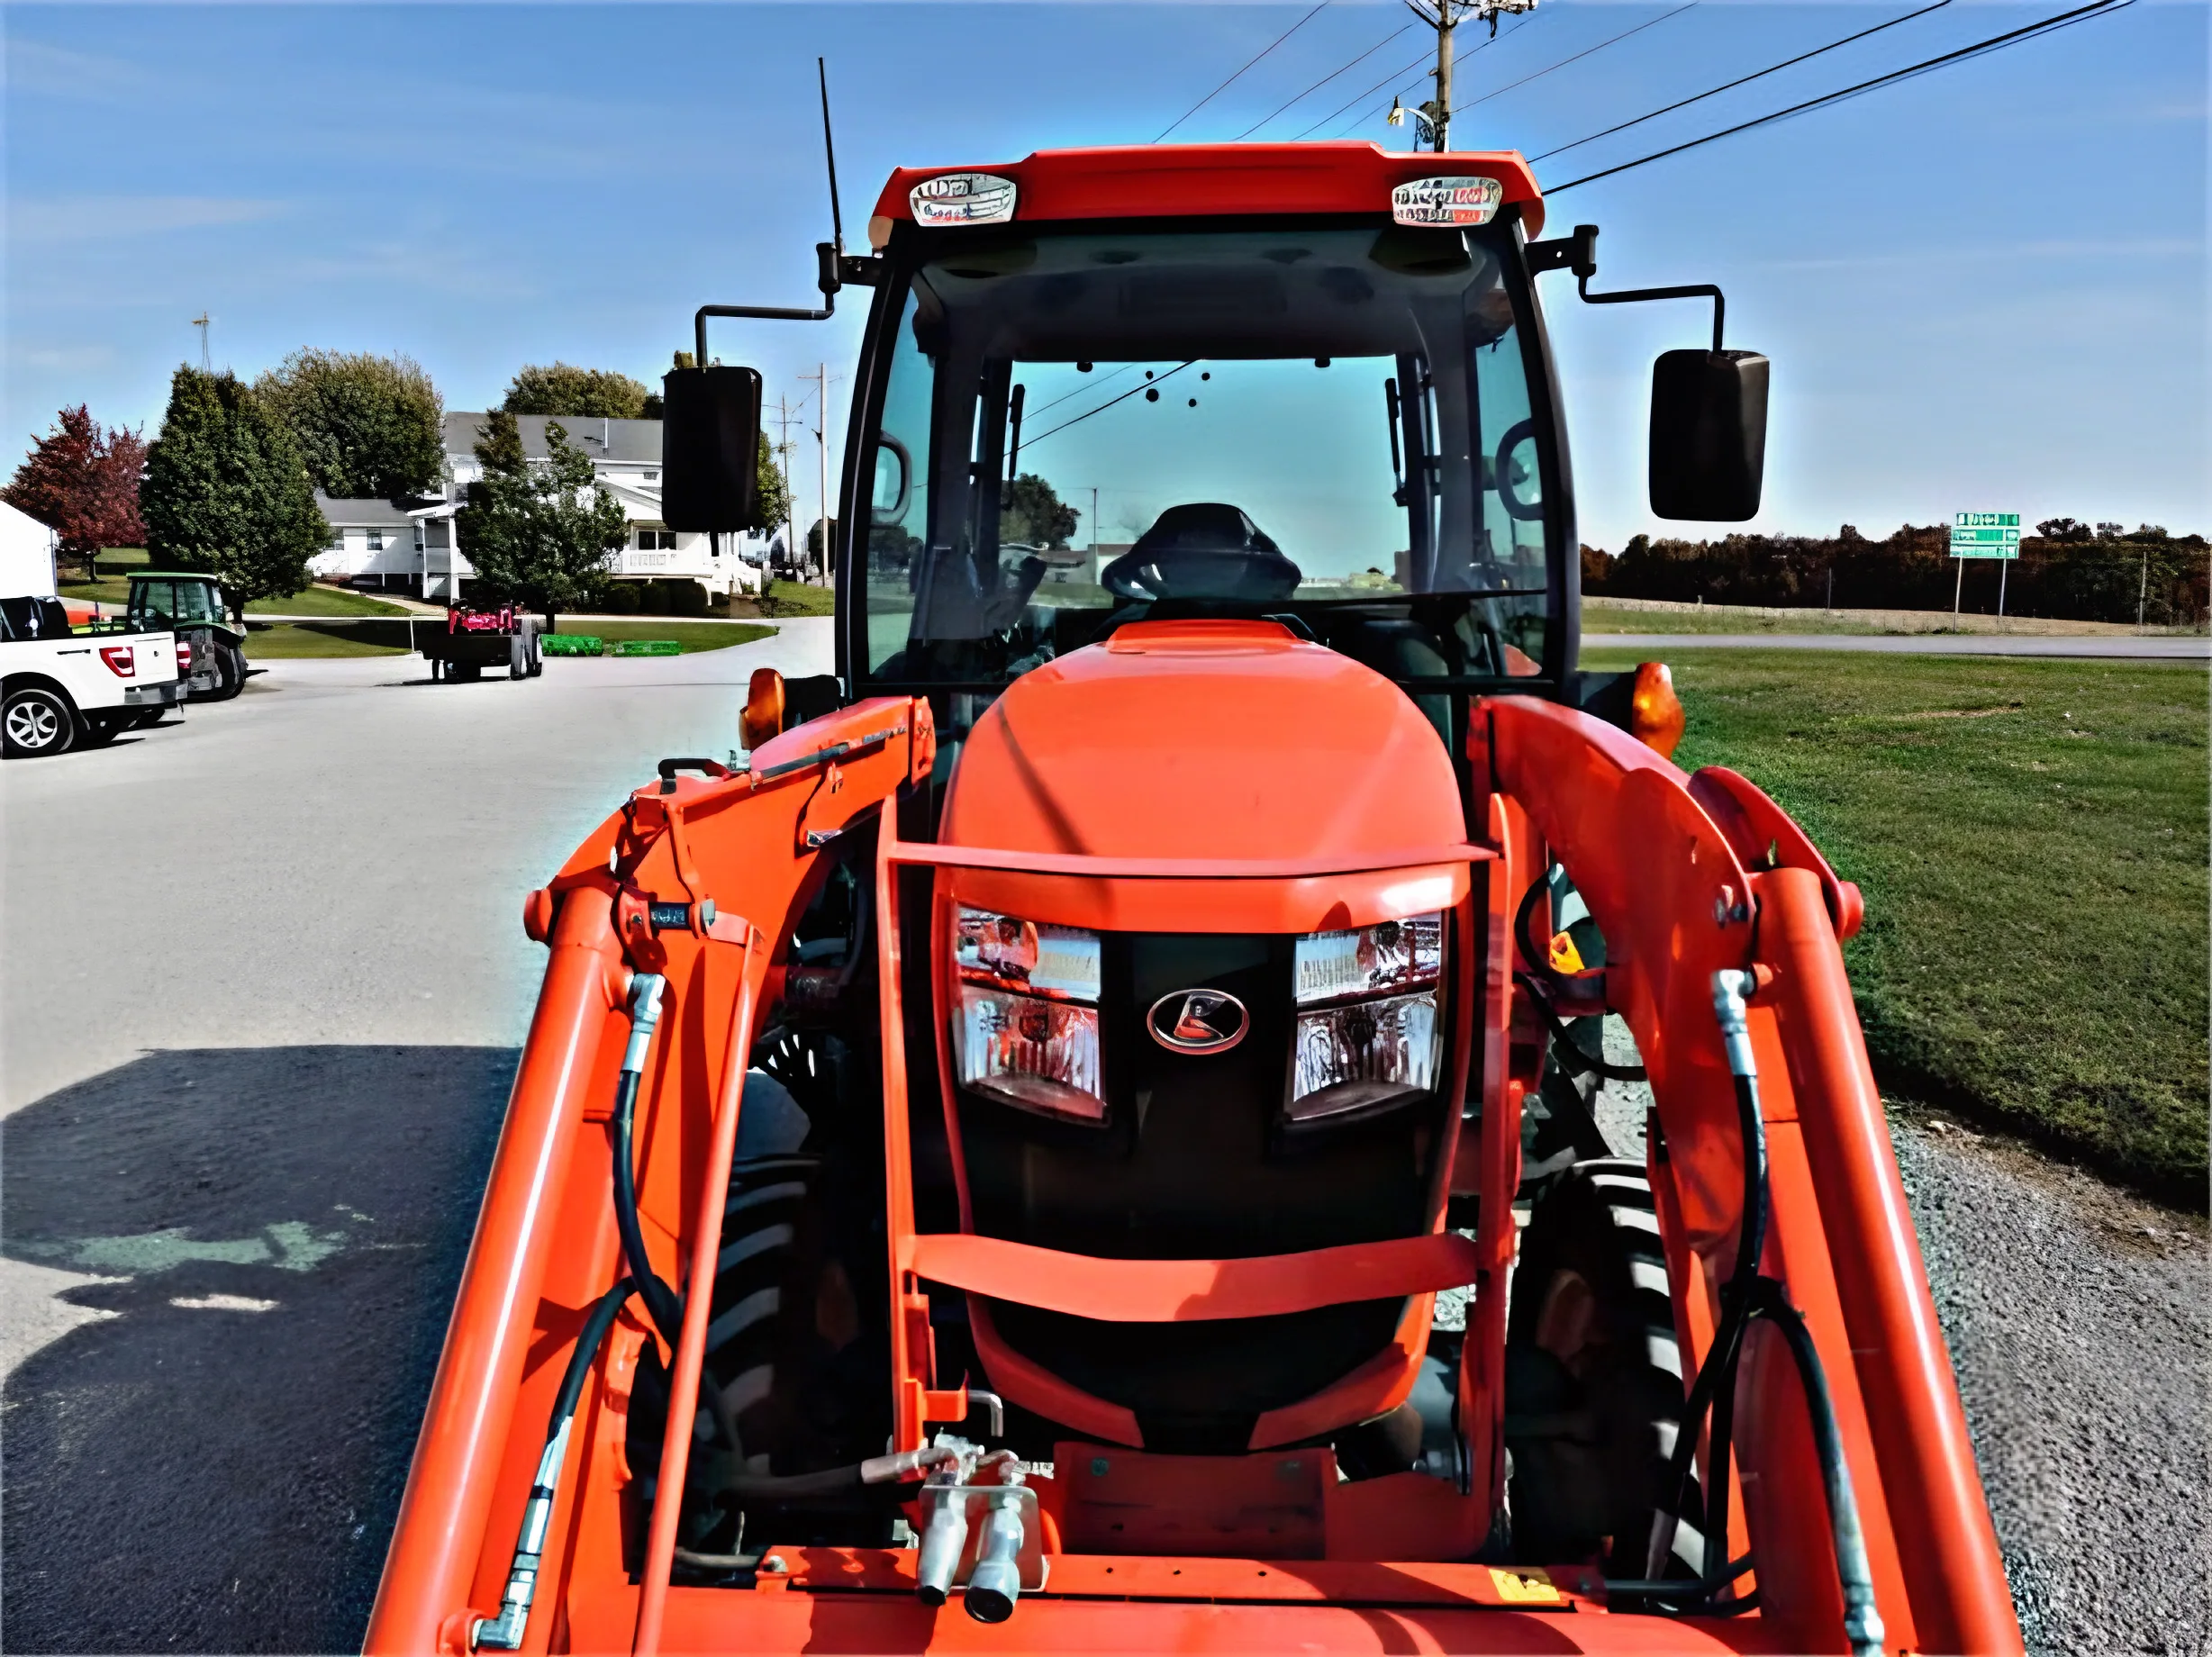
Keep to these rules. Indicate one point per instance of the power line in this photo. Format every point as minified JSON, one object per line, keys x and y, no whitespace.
{"x":1996,"y":42}
{"x":1079,"y":391}
{"x":1579,"y":56}
{"x":1225,"y":86}
{"x":1404,"y":85}
{"x":1324,"y":81}
{"x":1147,"y":385}
{"x":1739,"y":81}
{"x":1395,"y":75}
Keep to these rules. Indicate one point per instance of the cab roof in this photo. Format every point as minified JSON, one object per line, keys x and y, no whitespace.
{"x":1139,"y":181}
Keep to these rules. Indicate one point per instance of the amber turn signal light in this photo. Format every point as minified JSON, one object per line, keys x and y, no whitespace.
{"x":764,"y":707}
{"x":1655,"y":716}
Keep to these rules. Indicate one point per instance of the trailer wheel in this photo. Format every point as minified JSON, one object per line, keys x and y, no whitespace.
{"x":37,"y":722}
{"x":1594,"y":1385}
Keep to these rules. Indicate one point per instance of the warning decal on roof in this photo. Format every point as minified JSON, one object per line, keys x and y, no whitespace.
{"x":1446,"y":201}
{"x":963,"y":198}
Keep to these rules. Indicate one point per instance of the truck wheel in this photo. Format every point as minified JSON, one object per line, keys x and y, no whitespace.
{"x":1594,"y":1391}
{"x":35,"y":722}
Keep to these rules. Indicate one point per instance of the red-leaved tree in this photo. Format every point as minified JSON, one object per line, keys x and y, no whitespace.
{"x":82,"y":483}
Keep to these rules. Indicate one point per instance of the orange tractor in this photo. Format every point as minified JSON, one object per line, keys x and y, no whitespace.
{"x":1081,"y":1137}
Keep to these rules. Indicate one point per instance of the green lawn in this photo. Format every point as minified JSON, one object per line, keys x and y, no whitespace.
{"x":788,"y":598}
{"x":2031,"y":837}
{"x":309,"y":602}
{"x":324,"y":602}
{"x":284,"y":640}
{"x":1600,"y":617}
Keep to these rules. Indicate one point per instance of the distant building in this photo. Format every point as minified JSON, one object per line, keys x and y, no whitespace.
{"x":26,"y":556}
{"x":411,"y":545}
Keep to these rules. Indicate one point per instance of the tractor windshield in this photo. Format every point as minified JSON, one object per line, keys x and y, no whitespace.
{"x":1335,"y":424}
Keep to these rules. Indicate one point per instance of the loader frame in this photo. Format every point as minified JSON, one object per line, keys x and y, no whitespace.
{"x":1685,"y":874}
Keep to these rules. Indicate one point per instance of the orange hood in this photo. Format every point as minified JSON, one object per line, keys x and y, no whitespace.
{"x":1204,"y":739}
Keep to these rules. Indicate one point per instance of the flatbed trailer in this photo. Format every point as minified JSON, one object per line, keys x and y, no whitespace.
{"x":471,"y":641}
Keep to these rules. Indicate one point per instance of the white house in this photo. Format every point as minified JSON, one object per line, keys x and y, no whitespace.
{"x":26,"y":556}
{"x":413,"y":546}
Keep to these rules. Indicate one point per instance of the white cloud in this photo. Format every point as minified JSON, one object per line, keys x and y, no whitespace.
{"x":57,"y":220}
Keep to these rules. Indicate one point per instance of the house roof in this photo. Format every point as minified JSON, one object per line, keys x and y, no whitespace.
{"x":635,"y":442}
{"x":371,"y":514}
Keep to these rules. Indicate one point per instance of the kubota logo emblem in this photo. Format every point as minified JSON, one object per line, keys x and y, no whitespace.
{"x":1198,"y":1022}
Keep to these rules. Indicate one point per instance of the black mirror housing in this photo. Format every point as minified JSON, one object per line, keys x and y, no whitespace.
{"x":1708,"y":435}
{"x":709,"y":448}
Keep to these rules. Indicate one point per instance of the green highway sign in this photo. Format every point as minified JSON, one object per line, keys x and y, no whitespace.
{"x":1985,"y":535}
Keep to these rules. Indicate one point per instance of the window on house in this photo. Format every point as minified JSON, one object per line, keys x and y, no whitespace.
{"x":376,"y":540}
{"x":656,"y":541}
{"x":652,"y":477}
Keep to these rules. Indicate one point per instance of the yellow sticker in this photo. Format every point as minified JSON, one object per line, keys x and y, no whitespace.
{"x":1525,"y":1588}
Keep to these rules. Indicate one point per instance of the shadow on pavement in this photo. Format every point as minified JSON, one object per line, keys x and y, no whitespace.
{"x":222,"y":1474}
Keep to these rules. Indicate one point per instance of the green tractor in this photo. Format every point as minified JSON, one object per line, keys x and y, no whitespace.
{"x":211,"y":630}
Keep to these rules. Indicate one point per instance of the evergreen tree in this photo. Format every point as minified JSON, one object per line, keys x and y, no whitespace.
{"x":366,"y":425}
{"x":538,"y":534}
{"x":82,"y":483}
{"x":226,"y":490}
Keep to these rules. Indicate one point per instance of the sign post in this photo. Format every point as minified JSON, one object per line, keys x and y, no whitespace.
{"x":1984,"y":535}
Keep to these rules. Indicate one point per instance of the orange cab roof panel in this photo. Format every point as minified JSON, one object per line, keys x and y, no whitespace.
{"x":1140,"y":181}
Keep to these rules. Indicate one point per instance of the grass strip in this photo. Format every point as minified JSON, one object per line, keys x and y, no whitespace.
{"x":2031,"y":837}
{"x":290,"y":641}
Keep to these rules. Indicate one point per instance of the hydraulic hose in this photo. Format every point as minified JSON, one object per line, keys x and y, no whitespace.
{"x":504,"y":1633}
{"x":661,"y":1302}
{"x":1854,"y":1573}
{"x":1746,"y":1295}
{"x":1716,"y":1375}
{"x":1537,"y":982}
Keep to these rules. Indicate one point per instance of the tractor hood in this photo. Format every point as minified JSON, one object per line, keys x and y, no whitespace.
{"x":1204,"y":739}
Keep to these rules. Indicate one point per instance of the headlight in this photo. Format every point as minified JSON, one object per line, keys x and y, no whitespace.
{"x":1373,"y":1035}
{"x":1024,"y":1030}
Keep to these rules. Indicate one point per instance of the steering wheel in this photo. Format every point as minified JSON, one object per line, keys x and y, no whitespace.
{"x":1519,"y":433}
{"x":1200,"y":572}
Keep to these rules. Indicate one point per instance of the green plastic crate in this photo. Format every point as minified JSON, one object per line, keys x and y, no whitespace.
{"x":647,"y":646}
{"x":571,"y":644}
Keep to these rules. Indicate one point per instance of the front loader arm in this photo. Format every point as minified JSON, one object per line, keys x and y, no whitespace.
{"x":698,"y":880}
{"x":1687,"y":876}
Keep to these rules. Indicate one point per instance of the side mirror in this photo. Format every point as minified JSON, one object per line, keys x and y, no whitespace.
{"x":1708,"y":435}
{"x":709,"y":448}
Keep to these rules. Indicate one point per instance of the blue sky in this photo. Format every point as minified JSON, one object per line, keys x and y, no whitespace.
{"x":1985,"y":288}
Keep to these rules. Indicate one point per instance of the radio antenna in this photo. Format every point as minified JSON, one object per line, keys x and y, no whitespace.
{"x":830,"y":149}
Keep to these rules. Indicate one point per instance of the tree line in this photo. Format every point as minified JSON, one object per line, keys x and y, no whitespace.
{"x":228,"y":485}
{"x":2067,"y":570}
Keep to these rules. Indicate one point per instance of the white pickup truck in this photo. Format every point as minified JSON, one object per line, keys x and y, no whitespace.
{"x":60,"y":689}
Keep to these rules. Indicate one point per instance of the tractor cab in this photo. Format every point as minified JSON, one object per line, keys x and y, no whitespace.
{"x":211,"y":630}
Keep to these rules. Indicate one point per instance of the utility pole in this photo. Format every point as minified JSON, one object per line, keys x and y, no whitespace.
{"x":821,"y":444}
{"x":782,"y":462}
{"x":1432,"y":125}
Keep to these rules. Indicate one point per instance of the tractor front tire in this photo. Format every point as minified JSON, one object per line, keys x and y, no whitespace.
{"x":1594,"y":1384}
{"x":36,"y":722}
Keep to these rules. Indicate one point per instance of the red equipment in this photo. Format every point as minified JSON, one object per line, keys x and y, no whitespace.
{"x":1006,"y":1139}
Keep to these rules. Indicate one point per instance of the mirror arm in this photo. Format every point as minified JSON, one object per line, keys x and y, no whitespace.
{"x":1578,"y":252}
{"x":1636,"y":296}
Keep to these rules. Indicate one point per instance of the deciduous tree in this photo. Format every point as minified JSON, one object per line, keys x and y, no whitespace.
{"x":82,"y":483}
{"x":366,"y":425}
{"x":1034,"y":514}
{"x":227,"y":492}
{"x":539,"y":534}
{"x":562,"y":388}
